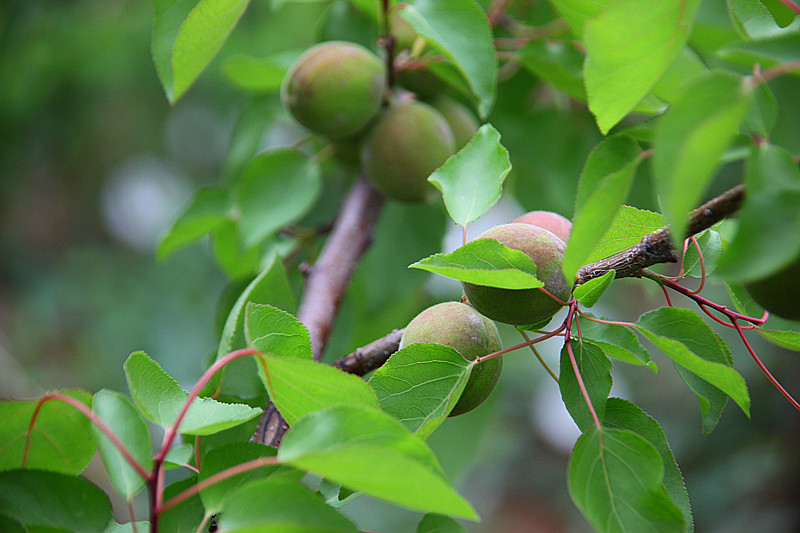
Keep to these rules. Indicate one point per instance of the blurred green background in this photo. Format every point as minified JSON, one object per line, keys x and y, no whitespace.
{"x":94,"y":166}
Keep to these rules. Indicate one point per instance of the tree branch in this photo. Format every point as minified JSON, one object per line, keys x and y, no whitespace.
{"x":656,"y":247}
{"x":328,"y":279}
{"x":371,"y":356}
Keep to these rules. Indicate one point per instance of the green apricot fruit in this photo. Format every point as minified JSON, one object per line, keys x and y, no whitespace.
{"x":779,"y":293}
{"x":409,"y":141}
{"x":548,"y":220}
{"x":461,"y":120}
{"x":335,"y":88}
{"x":461,"y":327}
{"x":404,"y":34}
{"x":523,"y":307}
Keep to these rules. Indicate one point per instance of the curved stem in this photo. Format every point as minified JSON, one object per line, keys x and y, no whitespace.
{"x":763,"y":368}
{"x":574,"y":362}
{"x":539,"y":357}
{"x":521,"y":345}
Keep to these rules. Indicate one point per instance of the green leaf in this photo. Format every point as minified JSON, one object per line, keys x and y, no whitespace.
{"x":227,"y":456}
{"x":596,"y":210}
{"x":592,"y":290}
{"x":616,"y":480}
{"x":200,"y":37}
{"x":786,"y":339}
{"x":773,"y":188}
{"x":618,"y":342}
{"x":271,"y":287}
{"x":369,"y":451}
{"x":436,"y":523}
{"x":61,"y":440}
{"x":460,"y":29}
{"x":420,"y":384}
{"x":558,"y":62}
{"x":767,"y":52}
{"x":627,"y":229}
{"x":271,"y":330}
{"x":621,"y":414}
{"x":240,"y":376}
{"x":609,"y":156}
{"x":485,"y":262}
{"x":159,"y":398}
{"x":55,"y":500}
{"x":179,"y":456}
{"x":276,"y":506}
{"x":711,"y":246}
{"x":686,"y":65}
{"x":260,"y":75}
{"x":208,"y":210}
{"x":578,"y":12}
{"x":168,"y":16}
{"x":623,"y":66}
{"x":471,"y":181}
{"x":781,"y":13}
{"x":689,"y":140}
{"x":128,"y":527}
{"x":255,"y":115}
{"x":689,"y":341}
{"x":300,"y":386}
{"x":595,"y":370}
{"x":124,"y":420}
{"x":276,"y":188}
{"x":185,"y":517}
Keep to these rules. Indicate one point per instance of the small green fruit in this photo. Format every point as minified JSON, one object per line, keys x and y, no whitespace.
{"x":335,"y":88}
{"x":523,"y":307}
{"x":779,"y":293}
{"x":409,"y":141}
{"x":404,"y":34}
{"x":548,"y":220}
{"x":461,"y":327}
{"x":461,"y":120}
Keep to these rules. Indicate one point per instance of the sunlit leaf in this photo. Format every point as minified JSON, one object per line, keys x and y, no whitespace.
{"x":271,"y":330}
{"x":485,"y":262}
{"x":369,"y":451}
{"x":460,"y":29}
{"x":472,"y":180}
{"x":420,"y":384}
{"x":159,"y":398}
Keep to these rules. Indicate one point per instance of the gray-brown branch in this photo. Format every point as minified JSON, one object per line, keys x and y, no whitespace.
{"x":656,"y":247}
{"x":327,"y":281}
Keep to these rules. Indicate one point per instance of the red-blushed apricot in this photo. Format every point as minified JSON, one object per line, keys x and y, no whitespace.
{"x":524,"y":306}
{"x":461,"y":327}
{"x":335,"y":88}
{"x":409,"y":141}
{"x":461,"y":120}
{"x":548,"y":220}
{"x":779,"y":293}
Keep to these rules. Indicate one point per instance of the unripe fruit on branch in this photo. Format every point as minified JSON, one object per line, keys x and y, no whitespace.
{"x":404,"y":34}
{"x":409,"y":141}
{"x":548,"y":220}
{"x":459,"y":117}
{"x":779,"y":293}
{"x":335,"y":88}
{"x":523,"y":307}
{"x":461,"y":327}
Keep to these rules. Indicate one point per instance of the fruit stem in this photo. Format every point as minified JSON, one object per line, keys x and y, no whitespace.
{"x":521,"y":345}
{"x":539,"y":357}
{"x":763,"y":368}
{"x":568,"y":343}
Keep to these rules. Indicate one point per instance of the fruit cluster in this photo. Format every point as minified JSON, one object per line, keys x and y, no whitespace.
{"x":339,"y":90}
{"x":470,"y":329}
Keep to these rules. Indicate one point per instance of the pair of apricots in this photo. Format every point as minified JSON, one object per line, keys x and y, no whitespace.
{"x":339,"y":89}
